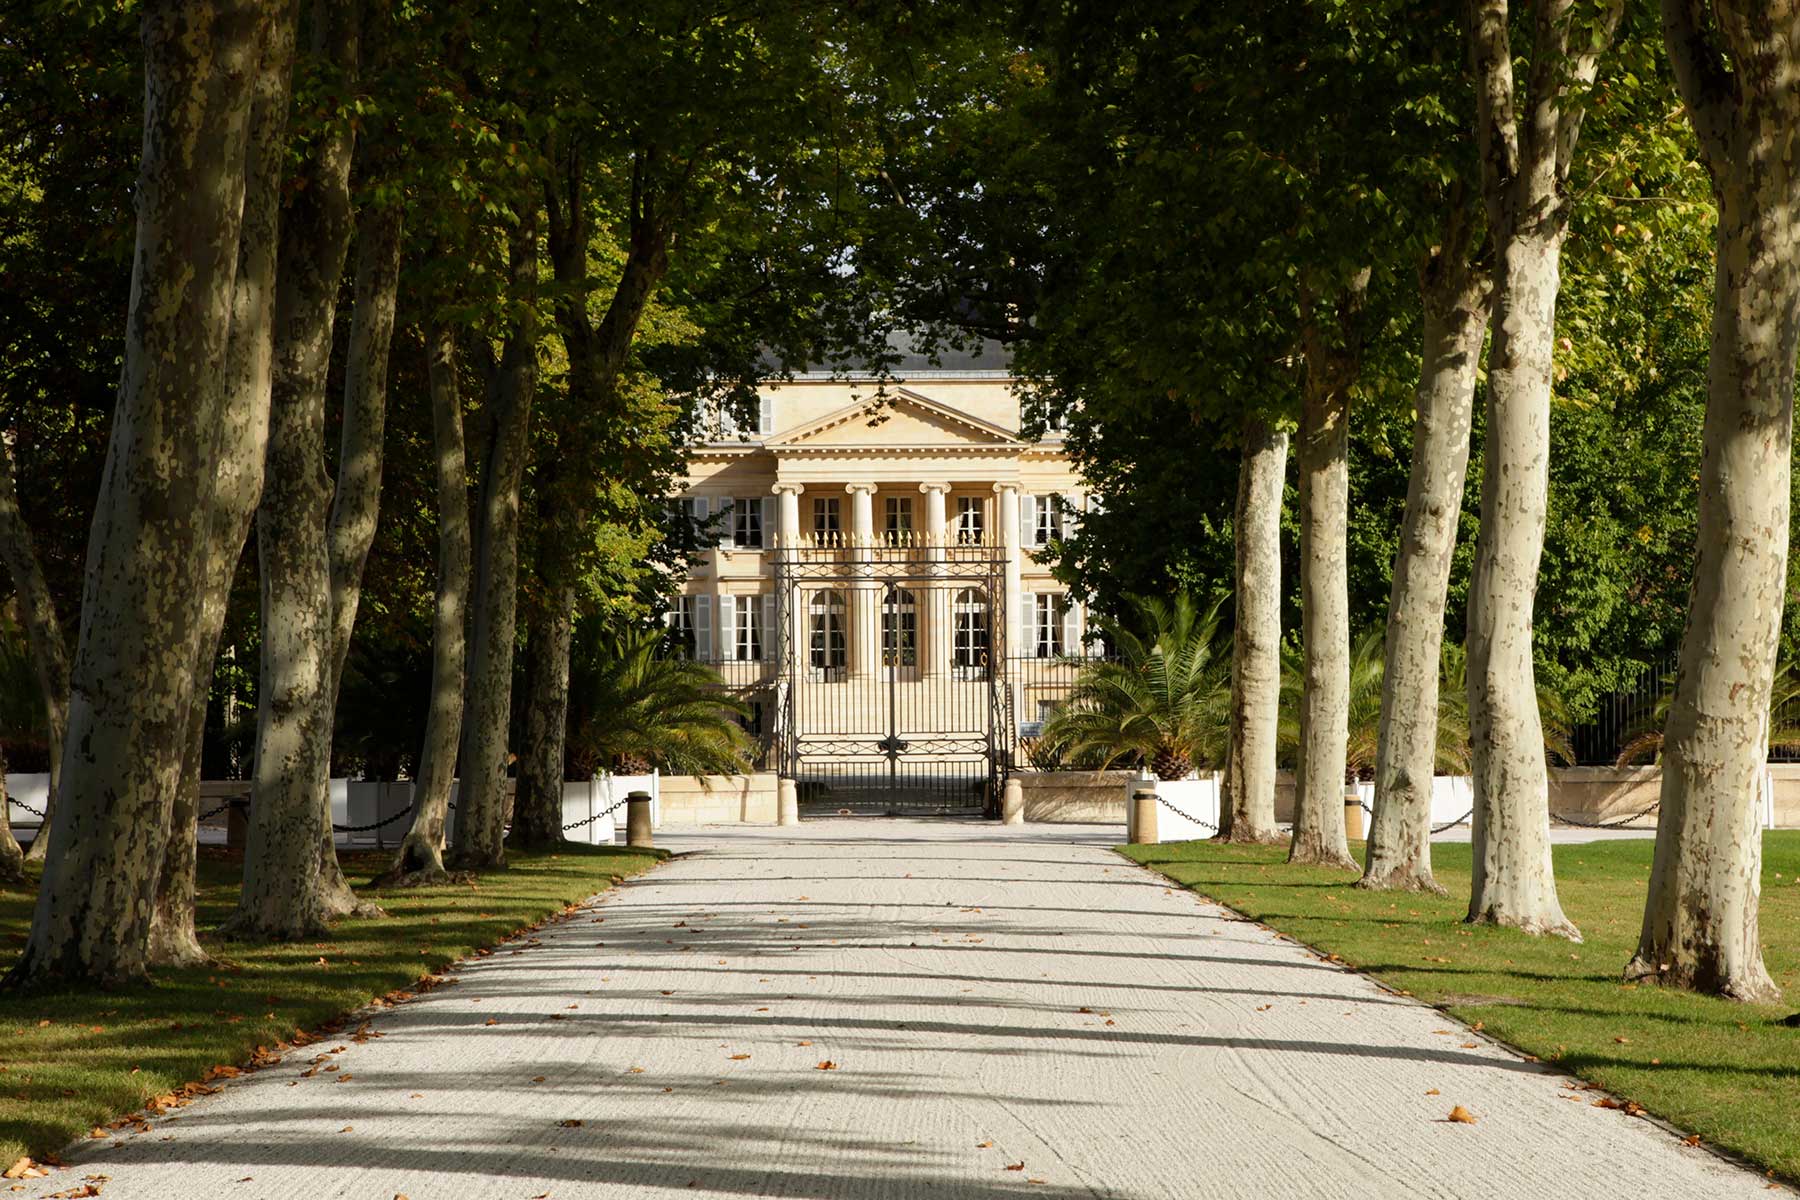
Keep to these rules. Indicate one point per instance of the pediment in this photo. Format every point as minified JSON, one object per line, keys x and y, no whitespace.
{"x":905,"y":419}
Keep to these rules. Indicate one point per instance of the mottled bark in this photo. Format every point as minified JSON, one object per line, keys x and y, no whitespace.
{"x":1330,"y":333}
{"x":481,"y":805}
{"x":286,"y":892}
{"x":597,"y":356}
{"x":356,"y":499}
{"x":43,"y":632}
{"x":1455,"y":297}
{"x":1247,"y":808}
{"x":243,"y":439}
{"x":1525,"y":166}
{"x":1700,"y":926}
{"x":132,"y":679}
{"x":537,"y":808}
{"x":421,"y":858}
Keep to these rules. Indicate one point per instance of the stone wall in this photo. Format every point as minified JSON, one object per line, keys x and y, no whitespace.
{"x":718,"y":799}
{"x":1089,"y":797}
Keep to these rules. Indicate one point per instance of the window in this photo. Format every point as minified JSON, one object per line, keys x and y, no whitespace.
{"x":740,"y":622}
{"x":900,"y":630}
{"x":827,"y":520}
{"x":1046,"y":519}
{"x":733,"y":430}
{"x":1049,"y":611}
{"x":749,"y":516}
{"x":971,"y":520}
{"x":899,"y":520}
{"x":969,"y":634}
{"x":825,"y":643}
{"x":689,"y":620}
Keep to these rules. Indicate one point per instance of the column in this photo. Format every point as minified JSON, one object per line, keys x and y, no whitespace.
{"x":1008,"y":520}
{"x":865,"y":593}
{"x":790,"y":600}
{"x":934,"y":597}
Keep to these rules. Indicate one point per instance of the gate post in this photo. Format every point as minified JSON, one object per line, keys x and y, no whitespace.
{"x":787,"y":801}
{"x":1012,"y":802}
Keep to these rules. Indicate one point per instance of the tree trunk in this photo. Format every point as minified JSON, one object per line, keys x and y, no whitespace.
{"x":356,"y":501}
{"x":1455,"y":299}
{"x":1513,"y":882}
{"x":537,"y":809}
{"x":481,"y":805}
{"x":1332,"y":361}
{"x":43,"y":632}
{"x":1700,"y":926}
{"x":421,"y":858}
{"x":244,"y":436}
{"x":1525,"y":173}
{"x":1247,"y":810}
{"x":286,"y":893}
{"x":133,"y":674}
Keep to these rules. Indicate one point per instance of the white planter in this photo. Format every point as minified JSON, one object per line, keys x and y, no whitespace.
{"x":31,"y":788}
{"x":581,"y":799}
{"x":1188,"y":809}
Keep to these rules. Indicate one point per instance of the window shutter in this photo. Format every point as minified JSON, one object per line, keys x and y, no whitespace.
{"x":1027,"y":519}
{"x":728,"y":640}
{"x":770,"y":629}
{"x":703,"y":628}
{"x":768,"y":520}
{"x":1071,"y":629}
{"x":765,"y":415}
{"x":1027,"y":627}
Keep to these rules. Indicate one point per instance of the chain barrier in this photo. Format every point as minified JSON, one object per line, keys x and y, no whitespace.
{"x":1453,"y":824}
{"x":1615,"y":823}
{"x":213,"y":812}
{"x":39,"y":813}
{"x":1435,"y":829}
{"x":590,"y":820}
{"x":1186,"y":816}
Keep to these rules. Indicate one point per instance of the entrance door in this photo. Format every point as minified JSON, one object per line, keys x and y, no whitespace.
{"x":894,"y":702}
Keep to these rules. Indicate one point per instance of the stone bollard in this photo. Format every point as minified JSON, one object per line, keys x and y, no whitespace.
{"x":1353,"y":815}
{"x":637,"y":820}
{"x":787,"y":802}
{"x":1143,"y":813}
{"x":237,"y":824}
{"x":1012,"y":802}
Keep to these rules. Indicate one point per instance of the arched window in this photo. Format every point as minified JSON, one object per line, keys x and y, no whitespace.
{"x":899,"y":629}
{"x":826,"y":647}
{"x":971,"y":621}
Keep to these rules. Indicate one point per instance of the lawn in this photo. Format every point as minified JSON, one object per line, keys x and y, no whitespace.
{"x":71,"y":1060}
{"x":1728,"y":1072}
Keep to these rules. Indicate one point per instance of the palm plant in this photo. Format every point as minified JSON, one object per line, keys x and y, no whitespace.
{"x":1644,"y":740}
{"x":631,"y":706}
{"x":1165,"y":702}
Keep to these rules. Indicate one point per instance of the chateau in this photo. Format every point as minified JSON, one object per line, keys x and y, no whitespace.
{"x":877,"y":590}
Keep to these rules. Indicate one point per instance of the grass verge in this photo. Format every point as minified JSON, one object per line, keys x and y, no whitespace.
{"x":72,"y":1060}
{"x":1728,"y":1072}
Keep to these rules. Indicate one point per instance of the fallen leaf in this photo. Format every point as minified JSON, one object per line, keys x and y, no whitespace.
{"x":739,"y":1057}
{"x":1432,"y":1092}
{"x":572,"y":1123}
{"x":346,"y":1129}
{"x":1692,"y":1139}
{"x":490,"y":1021}
{"x":1018,"y":1166}
{"x":537,"y":1079}
{"x":1461,"y":1116}
{"x":827,"y":1065}
{"x":1470,"y":1046}
{"x":978,"y":1145}
{"x":1622,"y":1040}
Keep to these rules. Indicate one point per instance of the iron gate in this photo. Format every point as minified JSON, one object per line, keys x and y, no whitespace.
{"x":892,"y":700}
